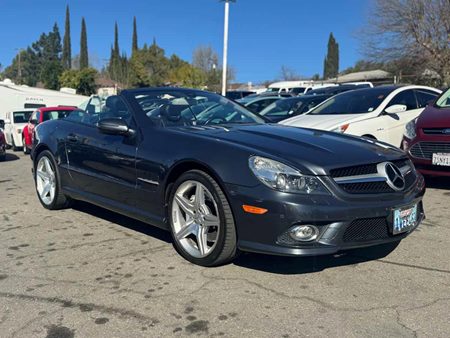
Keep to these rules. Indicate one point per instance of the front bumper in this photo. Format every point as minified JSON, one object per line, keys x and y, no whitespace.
{"x":425,"y":166}
{"x":344,"y":221}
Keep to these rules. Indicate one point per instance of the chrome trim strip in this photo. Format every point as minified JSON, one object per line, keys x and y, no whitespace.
{"x":148,"y":181}
{"x":360,"y":179}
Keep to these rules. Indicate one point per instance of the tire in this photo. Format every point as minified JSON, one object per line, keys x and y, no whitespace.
{"x":59,"y":200}
{"x":224,"y":248}
{"x":25,"y":149}
{"x":13,"y":144}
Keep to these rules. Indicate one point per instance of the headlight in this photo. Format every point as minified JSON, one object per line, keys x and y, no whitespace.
{"x":341,"y":129}
{"x":281,"y":177}
{"x":410,"y":129}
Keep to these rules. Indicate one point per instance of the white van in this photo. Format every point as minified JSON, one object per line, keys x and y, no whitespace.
{"x":296,"y":87}
{"x":18,"y":97}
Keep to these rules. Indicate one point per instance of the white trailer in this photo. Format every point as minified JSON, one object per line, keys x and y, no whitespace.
{"x":17,"y":97}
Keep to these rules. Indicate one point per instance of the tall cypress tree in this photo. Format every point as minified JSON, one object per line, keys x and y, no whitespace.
{"x":331,"y":63}
{"x":67,"y":49}
{"x":84,"y":60}
{"x":135,"y":38}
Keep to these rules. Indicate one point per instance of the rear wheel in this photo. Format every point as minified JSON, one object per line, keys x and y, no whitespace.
{"x":47,"y":182}
{"x":201,"y":220}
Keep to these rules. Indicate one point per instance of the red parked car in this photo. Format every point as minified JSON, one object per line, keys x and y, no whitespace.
{"x":427,"y":139}
{"x":41,"y":115}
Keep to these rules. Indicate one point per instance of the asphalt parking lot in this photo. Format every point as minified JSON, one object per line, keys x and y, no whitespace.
{"x":87,"y":272}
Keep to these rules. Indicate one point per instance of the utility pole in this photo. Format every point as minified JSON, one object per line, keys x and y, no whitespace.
{"x":225,"y":46}
{"x":20,"y":65}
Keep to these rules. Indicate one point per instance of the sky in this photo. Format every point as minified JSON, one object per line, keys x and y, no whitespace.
{"x":263,"y":35}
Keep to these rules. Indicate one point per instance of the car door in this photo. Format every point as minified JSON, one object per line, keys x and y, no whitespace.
{"x":395,"y":123}
{"x":102,"y":166}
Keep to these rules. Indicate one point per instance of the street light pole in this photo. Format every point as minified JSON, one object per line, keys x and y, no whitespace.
{"x":225,"y":46}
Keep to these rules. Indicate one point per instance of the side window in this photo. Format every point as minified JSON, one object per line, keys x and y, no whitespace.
{"x":97,"y":109}
{"x":425,"y":96}
{"x":406,"y":98}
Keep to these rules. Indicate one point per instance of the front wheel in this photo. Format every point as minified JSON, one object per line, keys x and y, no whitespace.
{"x":47,"y":180}
{"x":201,"y":220}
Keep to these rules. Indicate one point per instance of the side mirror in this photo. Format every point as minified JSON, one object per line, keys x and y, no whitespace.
{"x":34,"y":122}
{"x":7,"y":121}
{"x":395,"y":109}
{"x":114,"y":126}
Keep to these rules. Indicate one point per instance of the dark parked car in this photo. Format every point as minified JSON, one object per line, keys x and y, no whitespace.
{"x":334,"y":90}
{"x":286,"y":108}
{"x":258,"y":104}
{"x":427,"y":138}
{"x":238,"y":94}
{"x":2,"y":145}
{"x":221,"y":180}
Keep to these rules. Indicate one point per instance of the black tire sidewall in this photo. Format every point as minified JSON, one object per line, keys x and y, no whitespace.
{"x":211,"y":259}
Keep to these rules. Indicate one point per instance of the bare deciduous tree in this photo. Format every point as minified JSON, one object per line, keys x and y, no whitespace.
{"x":288,"y":74}
{"x":411,"y":29}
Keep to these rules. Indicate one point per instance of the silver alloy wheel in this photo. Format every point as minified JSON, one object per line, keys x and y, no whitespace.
{"x":195,"y":219}
{"x":45,"y":181}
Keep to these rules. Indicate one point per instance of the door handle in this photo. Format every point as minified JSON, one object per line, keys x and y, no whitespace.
{"x":73,"y":138}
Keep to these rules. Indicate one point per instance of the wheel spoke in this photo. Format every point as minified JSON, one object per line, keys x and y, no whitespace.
{"x":46,"y":190}
{"x":42,"y":175}
{"x":48,"y":168}
{"x":211,"y":221}
{"x":199,"y":197}
{"x":187,"y":230}
{"x":202,"y":240}
{"x":186,"y":205}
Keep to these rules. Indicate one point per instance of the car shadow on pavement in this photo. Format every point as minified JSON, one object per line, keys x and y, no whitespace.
{"x":300,"y":265}
{"x":124,"y":221}
{"x":11,"y":157}
{"x":438,"y":182}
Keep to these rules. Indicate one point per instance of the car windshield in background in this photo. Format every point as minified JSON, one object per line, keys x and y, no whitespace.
{"x":444,"y":100}
{"x":279,"y":108}
{"x":169,"y":108}
{"x":21,"y":116}
{"x":55,"y":114}
{"x":358,"y":101}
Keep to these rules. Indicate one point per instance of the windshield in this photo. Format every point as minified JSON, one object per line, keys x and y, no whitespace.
{"x":171,"y":107}
{"x":279,"y":108}
{"x":353,"y":102}
{"x":21,"y":116}
{"x":55,"y":114}
{"x":444,"y":100}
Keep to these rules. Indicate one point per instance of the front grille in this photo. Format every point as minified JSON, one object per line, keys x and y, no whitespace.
{"x":365,"y":169}
{"x":376,"y":187}
{"x":436,"y":131}
{"x":366,"y":188}
{"x":366,"y":229}
{"x":425,"y":150}
{"x":354,"y":171}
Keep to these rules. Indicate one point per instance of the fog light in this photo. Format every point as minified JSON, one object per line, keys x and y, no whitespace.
{"x":304,"y":233}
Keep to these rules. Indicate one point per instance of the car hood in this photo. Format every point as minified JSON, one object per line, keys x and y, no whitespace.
{"x":433,"y":117}
{"x":324,"y":122}
{"x":311,"y":151}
